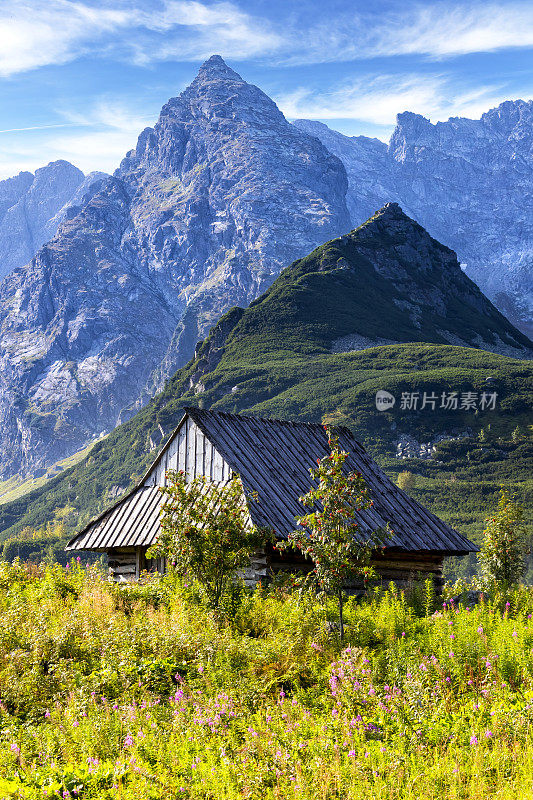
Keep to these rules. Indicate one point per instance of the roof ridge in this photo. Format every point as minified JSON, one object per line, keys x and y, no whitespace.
{"x":191,"y":410}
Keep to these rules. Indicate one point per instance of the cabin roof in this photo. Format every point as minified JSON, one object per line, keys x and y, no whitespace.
{"x":273,"y":459}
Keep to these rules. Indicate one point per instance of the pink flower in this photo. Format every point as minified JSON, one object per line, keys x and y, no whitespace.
{"x":128,"y":741}
{"x":480,"y":630}
{"x":473,"y":740}
{"x":488,"y":734}
{"x":351,"y":753}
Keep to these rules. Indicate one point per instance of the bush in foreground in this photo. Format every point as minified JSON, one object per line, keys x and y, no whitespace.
{"x":139,"y":692}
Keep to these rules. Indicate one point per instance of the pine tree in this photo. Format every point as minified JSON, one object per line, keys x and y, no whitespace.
{"x":406,"y":481}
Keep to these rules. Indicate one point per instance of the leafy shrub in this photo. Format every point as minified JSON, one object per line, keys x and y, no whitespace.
{"x":502,"y":556}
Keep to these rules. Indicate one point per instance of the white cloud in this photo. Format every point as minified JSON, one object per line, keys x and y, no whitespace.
{"x":437,"y":31}
{"x":447,"y":30}
{"x":377,"y":99}
{"x":200,"y":30}
{"x":109,"y":130}
{"x":34,"y":33}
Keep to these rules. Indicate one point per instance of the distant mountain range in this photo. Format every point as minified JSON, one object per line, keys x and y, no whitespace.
{"x":203,"y":215}
{"x":33,"y":206}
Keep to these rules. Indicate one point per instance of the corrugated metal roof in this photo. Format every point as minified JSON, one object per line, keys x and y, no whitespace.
{"x":273,"y":458}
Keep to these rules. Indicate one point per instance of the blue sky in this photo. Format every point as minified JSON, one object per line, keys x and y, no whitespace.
{"x":79,"y":79}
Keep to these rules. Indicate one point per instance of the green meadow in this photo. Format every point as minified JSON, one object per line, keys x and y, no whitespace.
{"x":140,"y":692}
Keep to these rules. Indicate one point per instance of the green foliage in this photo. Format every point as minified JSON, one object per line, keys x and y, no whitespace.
{"x":162,"y":700}
{"x":329,"y":535}
{"x":205,"y":532}
{"x":406,"y":480}
{"x":502,"y":556}
{"x":34,"y":545}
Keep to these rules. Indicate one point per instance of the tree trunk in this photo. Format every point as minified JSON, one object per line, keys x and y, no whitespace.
{"x":341,"y":618}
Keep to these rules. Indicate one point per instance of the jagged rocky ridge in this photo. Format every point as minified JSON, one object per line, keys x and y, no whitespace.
{"x":468,"y":182}
{"x":204,"y":213}
{"x":33,"y":206}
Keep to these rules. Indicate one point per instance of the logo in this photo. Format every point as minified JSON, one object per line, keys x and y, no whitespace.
{"x":384,"y":400}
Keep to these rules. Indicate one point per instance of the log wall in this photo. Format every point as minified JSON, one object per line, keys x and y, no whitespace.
{"x":403,"y":569}
{"x":123,"y":563}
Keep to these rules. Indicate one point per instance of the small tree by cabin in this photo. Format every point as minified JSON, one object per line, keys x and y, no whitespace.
{"x":205,"y":532}
{"x":502,"y":557}
{"x":329,"y":535}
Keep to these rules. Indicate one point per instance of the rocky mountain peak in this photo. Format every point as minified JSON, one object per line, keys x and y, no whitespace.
{"x":215,"y":68}
{"x":30,"y":210}
{"x":467,"y":181}
{"x":390,"y":219}
{"x":59,"y":168}
{"x":510,"y":112}
{"x":386,"y":282}
{"x":393,"y":211}
{"x":215,"y":200}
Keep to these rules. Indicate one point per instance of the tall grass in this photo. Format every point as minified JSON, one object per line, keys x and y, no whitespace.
{"x":139,"y":692}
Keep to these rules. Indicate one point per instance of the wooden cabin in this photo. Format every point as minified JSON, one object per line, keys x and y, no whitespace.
{"x":273,"y":459}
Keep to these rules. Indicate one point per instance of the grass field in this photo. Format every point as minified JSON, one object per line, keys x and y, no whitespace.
{"x":140,"y":692}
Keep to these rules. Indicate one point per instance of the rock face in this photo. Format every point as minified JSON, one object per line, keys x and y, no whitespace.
{"x":32,"y":207}
{"x":468,"y":182}
{"x":214,"y":201}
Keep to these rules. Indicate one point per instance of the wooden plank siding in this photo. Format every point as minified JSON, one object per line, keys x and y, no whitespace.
{"x":403,"y":569}
{"x":191,"y":451}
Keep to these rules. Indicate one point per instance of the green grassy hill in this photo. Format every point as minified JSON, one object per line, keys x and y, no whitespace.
{"x":275,"y":359}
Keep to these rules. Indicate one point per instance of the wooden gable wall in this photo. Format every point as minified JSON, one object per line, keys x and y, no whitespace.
{"x":191,"y":451}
